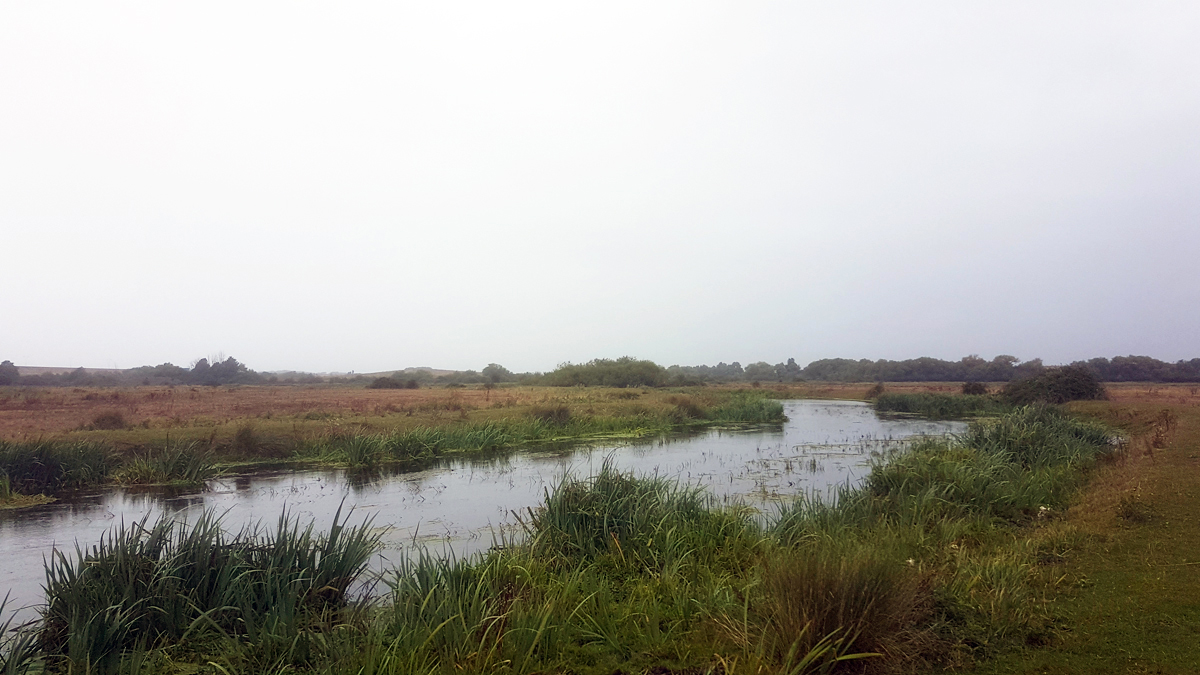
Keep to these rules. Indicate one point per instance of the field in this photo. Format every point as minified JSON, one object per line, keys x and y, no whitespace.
{"x":150,"y":414}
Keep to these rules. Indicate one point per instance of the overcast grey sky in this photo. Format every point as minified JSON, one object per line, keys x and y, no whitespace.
{"x":367,"y":186}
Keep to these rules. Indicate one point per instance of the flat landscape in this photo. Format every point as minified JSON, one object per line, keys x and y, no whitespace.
{"x":151,"y":414}
{"x":957,"y":555}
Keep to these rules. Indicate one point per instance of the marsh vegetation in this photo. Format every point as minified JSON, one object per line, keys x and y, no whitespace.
{"x":925,"y":560}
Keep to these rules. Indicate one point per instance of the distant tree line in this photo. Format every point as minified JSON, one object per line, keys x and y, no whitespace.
{"x":222,"y":372}
{"x":631,"y":372}
{"x":1003,"y":368}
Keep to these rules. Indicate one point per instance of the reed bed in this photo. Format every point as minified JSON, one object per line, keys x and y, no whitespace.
{"x":148,"y":584}
{"x":940,"y":406}
{"x":542,"y":424}
{"x":185,"y":464}
{"x":46,"y":467}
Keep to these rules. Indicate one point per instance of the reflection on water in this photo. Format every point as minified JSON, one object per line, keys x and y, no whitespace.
{"x":463,"y":504}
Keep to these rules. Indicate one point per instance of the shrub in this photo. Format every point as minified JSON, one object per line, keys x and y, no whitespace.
{"x":749,"y":408}
{"x":112,"y":420}
{"x":385,"y":383}
{"x":558,"y":414}
{"x":9,"y":374}
{"x":644,"y":522}
{"x":1055,"y":386}
{"x":974,"y":389}
{"x":623,"y":372}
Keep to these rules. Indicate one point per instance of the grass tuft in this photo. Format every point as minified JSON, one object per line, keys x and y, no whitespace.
{"x":177,"y":464}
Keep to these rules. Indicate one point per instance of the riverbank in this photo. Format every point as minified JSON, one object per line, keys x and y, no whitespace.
{"x":150,"y":455}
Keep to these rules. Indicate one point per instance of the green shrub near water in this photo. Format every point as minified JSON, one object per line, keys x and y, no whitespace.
{"x":646,"y":523}
{"x":1055,"y":386}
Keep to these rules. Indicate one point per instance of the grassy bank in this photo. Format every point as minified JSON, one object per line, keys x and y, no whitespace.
{"x":52,"y":466}
{"x":1125,"y":593}
{"x":931,"y":562}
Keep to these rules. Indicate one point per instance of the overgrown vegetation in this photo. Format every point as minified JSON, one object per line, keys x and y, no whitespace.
{"x":939,"y":406}
{"x":629,"y":372}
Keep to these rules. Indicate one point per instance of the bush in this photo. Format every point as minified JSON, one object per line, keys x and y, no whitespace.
{"x":645,"y":522}
{"x":8,"y":373}
{"x":749,"y":408}
{"x":112,"y":420}
{"x":623,"y":372}
{"x":558,"y":414}
{"x":974,"y":389}
{"x":385,"y":383}
{"x":1055,"y":386}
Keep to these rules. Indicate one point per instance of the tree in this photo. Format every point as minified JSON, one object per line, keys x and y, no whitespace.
{"x":496,"y":373}
{"x":8,"y":373}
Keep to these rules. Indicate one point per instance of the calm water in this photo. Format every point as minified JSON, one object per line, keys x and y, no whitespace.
{"x":464,"y":504}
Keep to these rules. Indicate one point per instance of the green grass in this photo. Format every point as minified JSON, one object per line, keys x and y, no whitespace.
{"x":1125,"y":591}
{"x":430,"y":442}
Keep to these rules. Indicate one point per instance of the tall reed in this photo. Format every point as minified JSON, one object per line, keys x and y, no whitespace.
{"x":18,"y":645}
{"x":177,"y":463}
{"x":40,"y":466}
{"x":149,"y":582}
{"x":939,"y":406}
